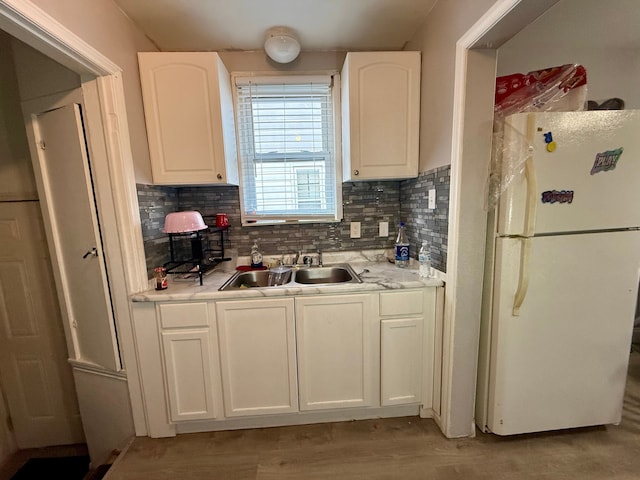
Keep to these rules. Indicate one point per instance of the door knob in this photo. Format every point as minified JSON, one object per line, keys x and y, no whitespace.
{"x":93,"y":251}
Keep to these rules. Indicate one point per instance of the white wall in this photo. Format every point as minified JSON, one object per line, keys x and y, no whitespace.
{"x":105,"y":412}
{"x":16,"y":174}
{"x":38,"y":75}
{"x":258,"y":62}
{"x":599,"y":35}
{"x":106,"y":28}
{"x":437,"y":38}
{"x":447,"y":22}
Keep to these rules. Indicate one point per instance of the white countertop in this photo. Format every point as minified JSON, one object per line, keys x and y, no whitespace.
{"x":381,"y":275}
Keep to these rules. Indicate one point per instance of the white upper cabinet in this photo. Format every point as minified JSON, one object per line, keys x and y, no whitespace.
{"x":380,"y":115}
{"x":188,"y":109}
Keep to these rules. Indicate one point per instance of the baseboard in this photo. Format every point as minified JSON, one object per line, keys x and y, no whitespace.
{"x":301,"y":418}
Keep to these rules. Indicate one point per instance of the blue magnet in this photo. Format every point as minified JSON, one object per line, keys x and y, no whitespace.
{"x":548,"y":138}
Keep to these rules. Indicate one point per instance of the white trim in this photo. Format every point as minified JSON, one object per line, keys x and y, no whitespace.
{"x":28,"y":23}
{"x":94,"y":369}
{"x":298,"y":418}
{"x":33,"y":26}
{"x":282,"y":79}
{"x":496,"y":13}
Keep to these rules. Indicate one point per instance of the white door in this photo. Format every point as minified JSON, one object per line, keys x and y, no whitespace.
{"x":191,"y":360}
{"x":36,"y":377}
{"x":187,"y":359}
{"x":381,"y":115}
{"x":562,"y":362}
{"x":191,"y":137}
{"x":258,"y":356}
{"x":83,"y":286}
{"x":335,"y":351}
{"x":401,"y":360}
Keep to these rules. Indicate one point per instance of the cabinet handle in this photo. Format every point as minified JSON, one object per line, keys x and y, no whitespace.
{"x":356,"y":172}
{"x":219,"y":176}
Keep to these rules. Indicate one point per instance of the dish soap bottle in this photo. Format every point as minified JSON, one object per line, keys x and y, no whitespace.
{"x":425,"y":260}
{"x":256,"y":256}
{"x":402,"y":248}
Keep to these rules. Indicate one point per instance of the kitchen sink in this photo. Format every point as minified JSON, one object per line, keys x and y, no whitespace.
{"x":340,"y":273}
{"x":330,"y":274}
{"x":256,"y":278}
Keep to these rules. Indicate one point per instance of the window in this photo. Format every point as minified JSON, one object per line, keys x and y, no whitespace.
{"x":287,"y":149}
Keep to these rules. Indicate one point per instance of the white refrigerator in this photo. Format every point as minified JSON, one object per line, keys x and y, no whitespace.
{"x":562,"y":272}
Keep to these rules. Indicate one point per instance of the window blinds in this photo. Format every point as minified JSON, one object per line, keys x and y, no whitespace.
{"x":287,"y":149}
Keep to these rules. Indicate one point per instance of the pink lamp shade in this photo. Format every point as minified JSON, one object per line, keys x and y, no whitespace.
{"x":183,"y":222}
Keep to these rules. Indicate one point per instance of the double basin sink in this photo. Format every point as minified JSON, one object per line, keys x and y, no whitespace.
{"x":339,"y":273}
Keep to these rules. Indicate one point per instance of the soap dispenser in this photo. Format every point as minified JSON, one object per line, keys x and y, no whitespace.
{"x":256,"y":256}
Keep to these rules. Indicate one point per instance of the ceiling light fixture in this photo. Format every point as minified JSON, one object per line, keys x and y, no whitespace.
{"x":282,"y":45}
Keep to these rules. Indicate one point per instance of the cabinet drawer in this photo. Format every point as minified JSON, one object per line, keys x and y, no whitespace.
{"x":176,"y":315}
{"x":402,"y":303}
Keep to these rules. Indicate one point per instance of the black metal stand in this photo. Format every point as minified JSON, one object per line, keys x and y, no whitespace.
{"x":203,"y":257}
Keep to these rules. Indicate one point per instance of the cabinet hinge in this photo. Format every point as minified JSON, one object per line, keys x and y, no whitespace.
{"x":43,"y":145}
{"x":9,"y":423}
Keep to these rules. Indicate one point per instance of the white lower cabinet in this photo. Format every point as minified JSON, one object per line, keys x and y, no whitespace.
{"x":400,"y":361}
{"x":258,"y":356}
{"x":189,"y":345}
{"x":336,"y":351}
{"x":407,"y":347}
{"x":234,"y":361}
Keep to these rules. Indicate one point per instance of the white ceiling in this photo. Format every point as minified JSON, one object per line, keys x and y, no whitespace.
{"x":227,"y":25}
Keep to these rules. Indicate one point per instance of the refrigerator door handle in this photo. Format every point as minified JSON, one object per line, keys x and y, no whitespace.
{"x":532,"y":183}
{"x":523,"y":278}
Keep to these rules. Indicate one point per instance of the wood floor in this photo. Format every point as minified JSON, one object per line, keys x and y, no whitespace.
{"x":402,"y":448}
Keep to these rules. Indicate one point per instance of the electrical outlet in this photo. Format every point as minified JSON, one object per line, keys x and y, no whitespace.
{"x":355,"y":229}
{"x":432,"y":199}
{"x":383,"y":228}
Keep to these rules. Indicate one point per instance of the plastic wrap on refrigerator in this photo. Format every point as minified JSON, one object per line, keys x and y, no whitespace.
{"x":556,"y":89}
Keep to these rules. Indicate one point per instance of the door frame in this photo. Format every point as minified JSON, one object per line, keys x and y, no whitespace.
{"x":110,"y":151}
{"x":470,"y":155}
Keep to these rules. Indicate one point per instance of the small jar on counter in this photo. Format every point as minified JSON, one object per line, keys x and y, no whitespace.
{"x":160,"y":274}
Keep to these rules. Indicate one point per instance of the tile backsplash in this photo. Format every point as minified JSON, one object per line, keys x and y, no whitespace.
{"x":366,"y":202}
{"x":154,"y":203}
{"x":422,"y":223}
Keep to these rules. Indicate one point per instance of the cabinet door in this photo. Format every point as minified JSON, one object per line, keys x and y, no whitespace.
{"x":381,"y":115}
{"x":335,"y":351}
{"x":258,"y":356}
{"x":401,"y":361}
{"x":189,"y":116}
{"x":189,"y":374}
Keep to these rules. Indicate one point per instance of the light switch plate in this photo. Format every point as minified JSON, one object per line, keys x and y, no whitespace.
{"x":432,"y":199}
{"x":355,"y":229}
{"x":384,"y":229}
